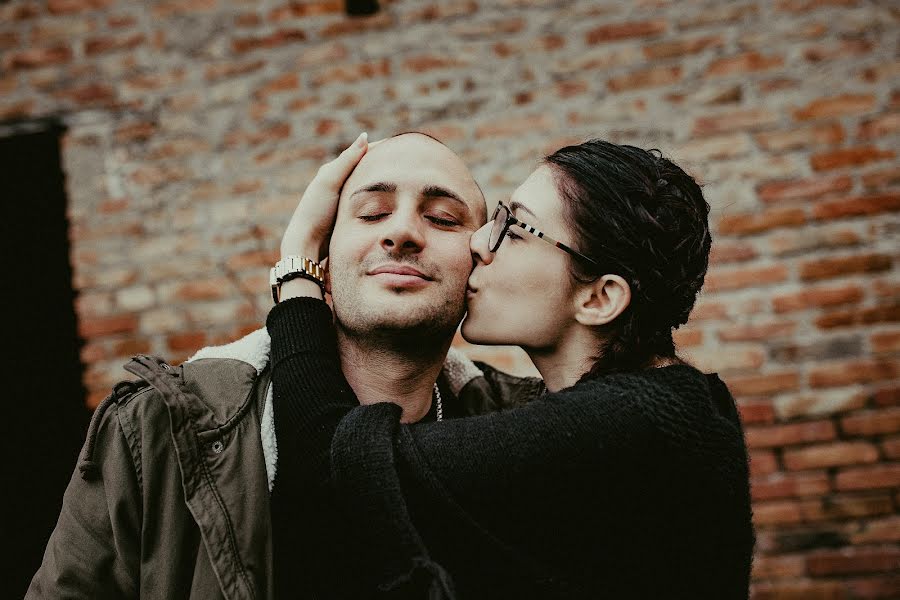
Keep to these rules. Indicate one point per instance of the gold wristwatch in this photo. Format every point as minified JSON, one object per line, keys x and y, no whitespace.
{"x":291,"y":267}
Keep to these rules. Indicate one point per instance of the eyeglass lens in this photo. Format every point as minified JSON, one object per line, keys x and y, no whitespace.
{"x":500,"y":217}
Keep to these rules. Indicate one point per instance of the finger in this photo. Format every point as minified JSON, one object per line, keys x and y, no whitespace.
{"x":337,"y":171}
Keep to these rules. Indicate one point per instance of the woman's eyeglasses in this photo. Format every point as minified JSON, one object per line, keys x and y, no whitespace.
{"x":503,"y":220}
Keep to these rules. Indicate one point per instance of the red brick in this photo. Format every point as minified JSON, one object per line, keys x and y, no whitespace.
{"x":513,"y":126}
{"x":756,"y":222}
{"x":18,"y":11}
{"x":728,"y":252}
{"x":762,"y":462}
{"x":100,"y":326}
{"x":168,"y":8}
{"x":841,"y":50}
{"x":861,"y":316}
{"x":684,"y":338}
{"x":805,"y":6}
{"x":888,"y":396}
{"x":487,"y":28}
{"x":351,"y":73}
{"x":63,"y":7}
{"x":135,"y":132}
{"x":867,"y":478}
{"x":188,"y":341}
{"x":837,"y":106}
{"x":835,"y":454}
{"x":848,"y":157}
{"x":744,"y":63}
{"x":90,"y":94}
{"x":849,"y":372}
{"x":652,"y":77}
{"x":441,"y":10}
{"x":777,"y":512}
{"x":719,"y":14}
{"x":877,"y":180}
{"x":885,"y":342}
{"x":803,"y":189}
{"x":827,"y":134}
{"x":747,"y":277}
{"x":36,"y":58}
{"x":884,"y":587}
{"x":789,"y":485}
{"x":16,"y":110}
{"x":756,"y":412}
{"x":846,"y":506}
{"x":623,"y":31}
{"x":99,"y":45}
{"x":761,"y":385}
{"x":879,"y":126}
{"x":813,"y":240}
{"x":778,"y":567}
{"x":276,"y":131}
{"x":283,"y":83}
{"x":757,"y":332}
{"x":790,"y":434}
{"x":130,"y":347}
{"x":273,"y":40}
{"x":891,"y":448}
{"x":815,"y":298}
{"x":739,"y":120}
{"x":877,"y":530}
{"x":876,"y":422}
{"x":861,"y":206}
{"x":683,"y":47}
{"x":215,"y":72}
{"x":297,"y":10}
{"x":356,"y":25}
{"x":853,"y":560}
{"x":423,"y":63}
{"x":826,"y":268}
{"x":818,"y":405}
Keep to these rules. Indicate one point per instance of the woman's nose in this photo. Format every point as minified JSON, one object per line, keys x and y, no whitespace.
{"x":478,"y":244}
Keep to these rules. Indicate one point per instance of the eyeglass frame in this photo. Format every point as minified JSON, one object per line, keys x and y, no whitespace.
{"x":511,"y":220}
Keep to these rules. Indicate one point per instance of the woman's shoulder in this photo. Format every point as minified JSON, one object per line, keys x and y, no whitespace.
{"x":679,"y":401}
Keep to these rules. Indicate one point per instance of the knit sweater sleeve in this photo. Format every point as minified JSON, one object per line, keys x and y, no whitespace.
{"x":491,"y":468}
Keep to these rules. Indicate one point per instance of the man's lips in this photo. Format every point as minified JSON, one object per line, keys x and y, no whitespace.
{"x":395,"y":269}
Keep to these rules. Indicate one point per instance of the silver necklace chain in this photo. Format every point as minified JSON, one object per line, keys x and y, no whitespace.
{"x":440,"y":407}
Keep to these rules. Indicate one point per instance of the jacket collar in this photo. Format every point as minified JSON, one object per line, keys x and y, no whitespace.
{"x":254,"y":349}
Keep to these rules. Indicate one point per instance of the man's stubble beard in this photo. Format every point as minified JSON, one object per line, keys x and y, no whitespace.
{"x":402,"y":322}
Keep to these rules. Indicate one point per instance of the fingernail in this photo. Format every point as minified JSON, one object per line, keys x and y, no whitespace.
{"x":362,"y":139}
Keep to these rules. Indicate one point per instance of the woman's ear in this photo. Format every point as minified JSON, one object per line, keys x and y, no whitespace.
{"x":601,"y":301}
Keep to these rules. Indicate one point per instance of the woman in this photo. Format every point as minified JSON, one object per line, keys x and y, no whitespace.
{"x":627,"y":479}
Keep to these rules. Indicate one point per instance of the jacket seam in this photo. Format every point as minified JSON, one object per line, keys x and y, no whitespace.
{"x":127,"y":425}
{"x":207,"y":474}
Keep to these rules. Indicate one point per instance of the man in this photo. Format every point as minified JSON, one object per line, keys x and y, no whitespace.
{"x":170,"y":498}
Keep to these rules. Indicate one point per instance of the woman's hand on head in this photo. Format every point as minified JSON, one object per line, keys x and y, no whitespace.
{"x":311,"y":225}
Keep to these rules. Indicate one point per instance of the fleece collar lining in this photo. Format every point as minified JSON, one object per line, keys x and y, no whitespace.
{"x":254,"y":349}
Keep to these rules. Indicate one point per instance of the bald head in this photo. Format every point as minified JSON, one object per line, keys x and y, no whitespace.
{"x":416,"y":160}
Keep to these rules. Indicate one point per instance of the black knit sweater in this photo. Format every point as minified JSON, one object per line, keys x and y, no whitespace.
{"x":625,"y":486}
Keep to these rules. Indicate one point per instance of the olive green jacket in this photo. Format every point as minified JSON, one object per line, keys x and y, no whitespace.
{"x":170,"y":497}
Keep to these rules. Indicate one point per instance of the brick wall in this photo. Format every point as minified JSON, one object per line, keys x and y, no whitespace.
{"x":194,"y":125}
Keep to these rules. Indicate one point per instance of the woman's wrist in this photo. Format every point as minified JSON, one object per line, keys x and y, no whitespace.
{"x":298,"y":288}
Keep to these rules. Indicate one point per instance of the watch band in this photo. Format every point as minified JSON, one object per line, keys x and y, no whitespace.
{"x":291,"y":267}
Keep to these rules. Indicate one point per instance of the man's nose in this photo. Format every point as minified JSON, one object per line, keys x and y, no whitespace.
{"x":479,"y":245}
{"x":403,"y":233}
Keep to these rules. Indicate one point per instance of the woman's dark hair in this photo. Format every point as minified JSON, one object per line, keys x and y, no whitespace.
{"x":641,"y":217}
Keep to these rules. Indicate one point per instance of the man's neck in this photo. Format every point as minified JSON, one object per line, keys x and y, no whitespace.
{"x":404,"y":375}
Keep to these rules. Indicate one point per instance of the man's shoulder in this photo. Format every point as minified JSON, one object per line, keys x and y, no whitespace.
{"x":482,"y":388}
{"x":223,"y":378}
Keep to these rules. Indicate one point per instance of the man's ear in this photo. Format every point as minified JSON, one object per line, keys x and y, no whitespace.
{"x":601,"y":301}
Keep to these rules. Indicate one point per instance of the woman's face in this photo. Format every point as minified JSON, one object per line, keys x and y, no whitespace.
{"x":522,"y":293}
